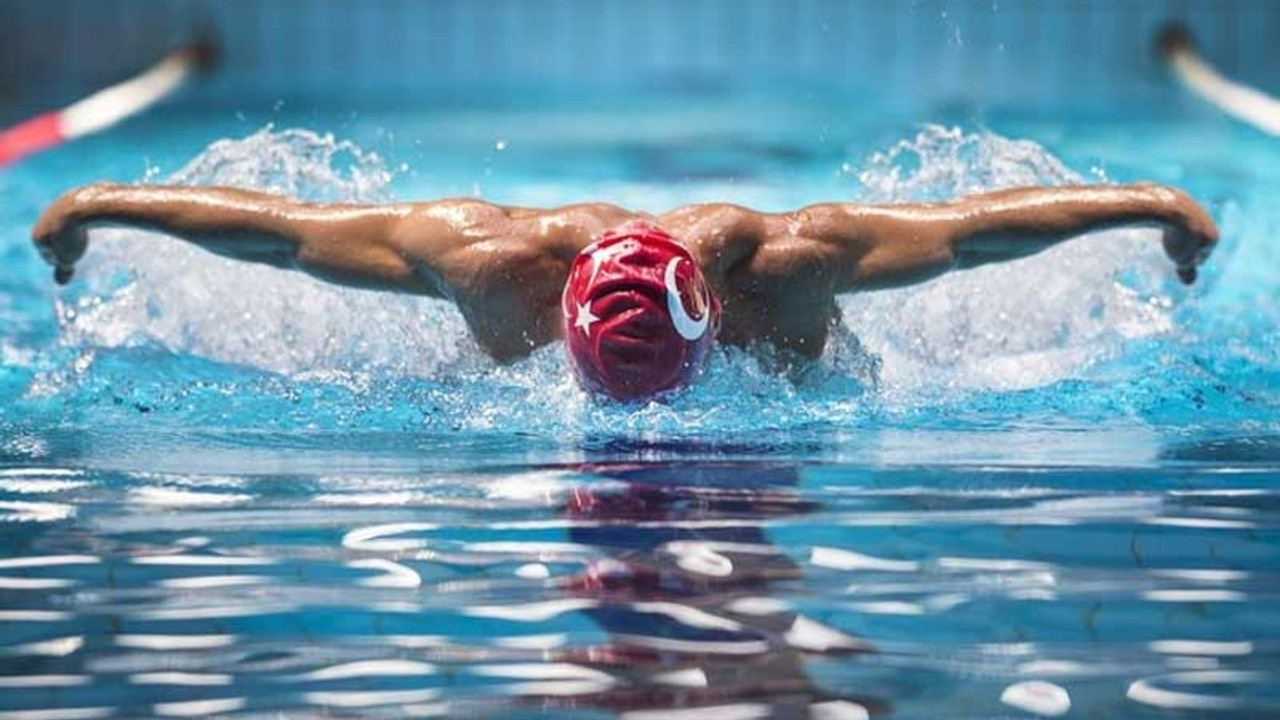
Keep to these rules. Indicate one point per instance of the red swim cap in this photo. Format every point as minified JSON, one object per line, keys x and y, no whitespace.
{"x":639,"y":317}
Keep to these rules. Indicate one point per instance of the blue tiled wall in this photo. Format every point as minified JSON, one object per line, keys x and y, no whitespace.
{"x":1036,"y":54}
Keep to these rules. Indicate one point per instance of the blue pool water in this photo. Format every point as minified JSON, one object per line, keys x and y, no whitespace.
{"x":231,"y":491}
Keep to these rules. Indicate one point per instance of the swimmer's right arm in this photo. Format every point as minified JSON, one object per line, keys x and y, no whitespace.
{"x":348,"y":244}
{"x":504,"y":267}
{"x":453,"y":248}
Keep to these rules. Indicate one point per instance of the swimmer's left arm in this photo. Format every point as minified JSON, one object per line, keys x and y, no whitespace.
{"x":897,"y":245}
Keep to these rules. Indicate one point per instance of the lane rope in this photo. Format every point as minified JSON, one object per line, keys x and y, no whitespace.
{"x":1244,"y":103}
{"x":104,"y":108}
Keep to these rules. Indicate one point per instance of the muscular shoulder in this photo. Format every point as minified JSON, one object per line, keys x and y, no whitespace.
{"x":714,"y":219}
{"x":468,"y":245}
{"x":565,"y":231}
{"x":720,"y":235}
{"x":469,"y":221}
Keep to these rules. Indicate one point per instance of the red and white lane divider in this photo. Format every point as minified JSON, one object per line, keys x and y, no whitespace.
{"x":104,"y":108}
{"x":1235,"y":99}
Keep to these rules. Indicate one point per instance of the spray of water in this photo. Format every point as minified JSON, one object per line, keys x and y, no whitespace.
{"x":1021,"y":325}
{"x":144,"y":290}
{"x":1015,"y":325}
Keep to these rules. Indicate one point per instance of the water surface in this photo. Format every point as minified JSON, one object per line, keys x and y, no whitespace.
{"x":232,"y":491}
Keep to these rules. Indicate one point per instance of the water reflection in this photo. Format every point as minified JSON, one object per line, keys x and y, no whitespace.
{"x":689,"y":587}
{"x":662,"y":589}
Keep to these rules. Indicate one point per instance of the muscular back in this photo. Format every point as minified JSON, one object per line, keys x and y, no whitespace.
{"x":508,"y":269}
{"x":504,"y":268}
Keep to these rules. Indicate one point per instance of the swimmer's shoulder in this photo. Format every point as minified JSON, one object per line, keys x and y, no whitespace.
{"x":564,"y":231}
{"x":720,"y":235}
{"x":451,"y":220}
{"x":467,"y":221}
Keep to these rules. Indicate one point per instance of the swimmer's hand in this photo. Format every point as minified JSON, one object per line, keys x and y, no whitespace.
{"x":1189,"y":233}
{"x":60,"y":234}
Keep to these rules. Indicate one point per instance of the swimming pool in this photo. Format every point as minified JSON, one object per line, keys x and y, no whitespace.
{"x":225,"y":490}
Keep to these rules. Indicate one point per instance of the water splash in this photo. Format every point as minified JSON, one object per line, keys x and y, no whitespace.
{"x":294,"y":162}
{"x":941,"y":163}
{"x":1021,"y":325}
{"x":186,"y":300}
{"x":1015,"y":325}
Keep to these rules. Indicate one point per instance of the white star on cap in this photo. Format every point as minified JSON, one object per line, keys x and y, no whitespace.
{"x":584,"y":317}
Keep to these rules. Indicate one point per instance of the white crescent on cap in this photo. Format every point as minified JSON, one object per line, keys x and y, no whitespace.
{"x":688,"y":328}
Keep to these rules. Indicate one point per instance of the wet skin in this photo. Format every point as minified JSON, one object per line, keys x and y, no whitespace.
{"x":776,"y":274}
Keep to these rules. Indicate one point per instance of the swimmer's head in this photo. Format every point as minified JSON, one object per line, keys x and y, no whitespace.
{"x":639,"y":317}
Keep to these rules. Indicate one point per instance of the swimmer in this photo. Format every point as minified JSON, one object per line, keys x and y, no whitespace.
{"x":637,"y":298}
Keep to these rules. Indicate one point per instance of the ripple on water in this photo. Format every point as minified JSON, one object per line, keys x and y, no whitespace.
{"x":650,"y":577}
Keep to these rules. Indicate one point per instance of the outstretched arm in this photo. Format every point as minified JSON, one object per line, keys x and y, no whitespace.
{"x":896,"y":245}
{"x":430,"y":248}
{"x":504,"y":267}
{"x":365,"y":246}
